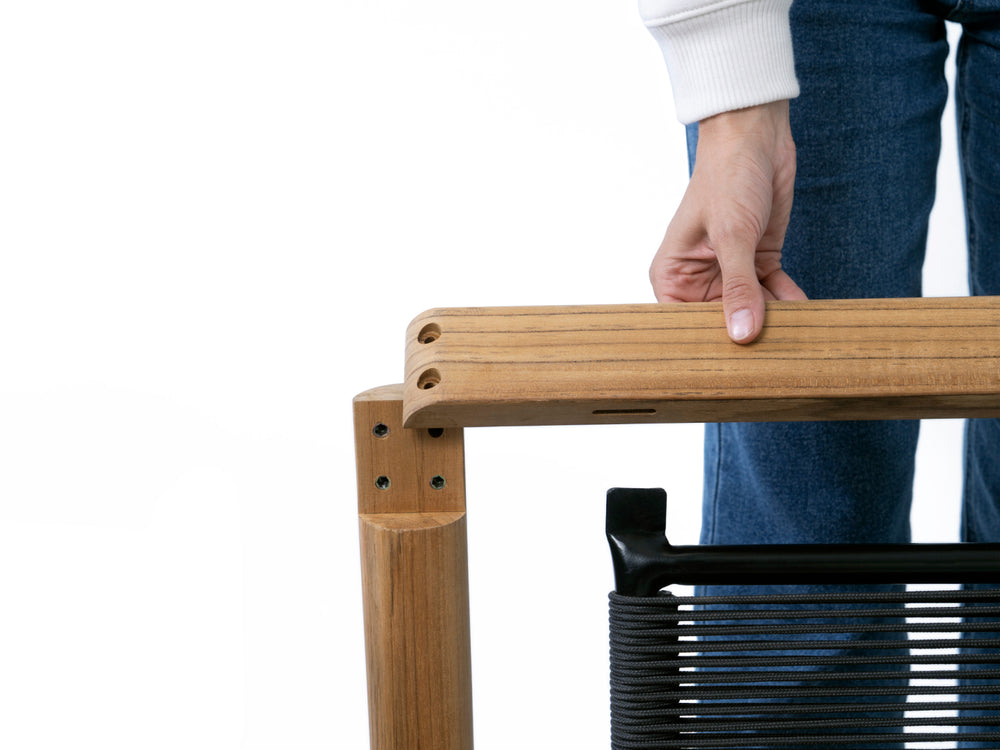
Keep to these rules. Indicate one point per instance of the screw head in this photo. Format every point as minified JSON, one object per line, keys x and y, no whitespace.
{"x":437,"y":482}
{"x":382,"y":482}
{"x":380,"y":430}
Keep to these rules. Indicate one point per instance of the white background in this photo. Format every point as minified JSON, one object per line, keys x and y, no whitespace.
{"x":216,"y":219}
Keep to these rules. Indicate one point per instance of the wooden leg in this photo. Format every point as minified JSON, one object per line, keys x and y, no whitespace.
{"x":414,"y":567}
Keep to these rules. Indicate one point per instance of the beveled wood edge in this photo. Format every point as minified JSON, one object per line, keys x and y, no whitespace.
{"x":700,"y":412}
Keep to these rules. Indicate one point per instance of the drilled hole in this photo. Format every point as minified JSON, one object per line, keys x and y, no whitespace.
{"x":382,"y":482}
{"x":429,"y":333}
{"x":435,"y":432}
{"x":437,"y":482}
{"x":428,"y":379}
{"x":380,"y":430}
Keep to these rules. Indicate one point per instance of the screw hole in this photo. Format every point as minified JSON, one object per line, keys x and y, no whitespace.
{"x":380,"y":430}
{"x":435,"y":432}
{"x":437,"y":482}
{"x":428,"y":379}
{"x":429,"y":333}
{"x":382,"y":482}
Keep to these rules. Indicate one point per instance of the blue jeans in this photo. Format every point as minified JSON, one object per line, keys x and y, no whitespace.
{"x":867,"y":131}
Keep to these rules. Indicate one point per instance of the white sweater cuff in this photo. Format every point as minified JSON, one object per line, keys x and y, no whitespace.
{"x":723,"y":54}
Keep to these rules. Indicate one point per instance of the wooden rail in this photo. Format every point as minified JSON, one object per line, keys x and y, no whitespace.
{"x":861,"y":359}
{"x":853,"y":359}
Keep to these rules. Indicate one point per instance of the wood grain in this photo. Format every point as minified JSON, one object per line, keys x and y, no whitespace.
{"x":842,"y":359}
{"x":416,"y":598}
{"x":414,"y":568}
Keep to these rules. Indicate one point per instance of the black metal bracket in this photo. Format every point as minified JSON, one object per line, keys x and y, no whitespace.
{"x":645,"y":562}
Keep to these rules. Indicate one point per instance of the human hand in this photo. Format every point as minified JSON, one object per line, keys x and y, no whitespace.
{"x":725,"y":239}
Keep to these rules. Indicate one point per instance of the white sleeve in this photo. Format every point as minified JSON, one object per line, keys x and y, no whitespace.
{"x":723,"y":54}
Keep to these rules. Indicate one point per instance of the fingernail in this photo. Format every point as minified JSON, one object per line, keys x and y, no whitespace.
{"x":740,"y":325}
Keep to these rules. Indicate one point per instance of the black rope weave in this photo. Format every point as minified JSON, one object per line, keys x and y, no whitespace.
{"x":806,"y":671}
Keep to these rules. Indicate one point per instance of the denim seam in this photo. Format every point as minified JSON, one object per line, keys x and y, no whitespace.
{"x":957,"y":13}
{"x":717,"y":480}
{"x":966,"y":469}
{"x":961,"y":65}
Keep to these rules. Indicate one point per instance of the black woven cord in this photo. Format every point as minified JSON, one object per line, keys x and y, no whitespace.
{"x":642,"y":661}
{"x":812,"y":742}
{"x":956,"y":596}
{"x":754,"y":684}
{"x":707,"y":615}
{"x":653,"y":676}
{"x":745,"y":692}
{"x":677,"y":708}
{"x":689,"y":646}
{"x":896,"y":627}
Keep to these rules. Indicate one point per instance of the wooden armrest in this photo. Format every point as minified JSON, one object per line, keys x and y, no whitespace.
{"x":816,"y":360}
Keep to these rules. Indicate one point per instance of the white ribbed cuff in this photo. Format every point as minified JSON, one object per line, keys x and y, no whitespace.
{"x":723,"y":55}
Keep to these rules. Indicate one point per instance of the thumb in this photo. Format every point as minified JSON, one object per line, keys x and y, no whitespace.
{"x":742,"y":297}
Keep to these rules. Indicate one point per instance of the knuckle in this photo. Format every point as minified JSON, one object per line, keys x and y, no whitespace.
{"x":738,"y":228}
{"x":739,"y":289}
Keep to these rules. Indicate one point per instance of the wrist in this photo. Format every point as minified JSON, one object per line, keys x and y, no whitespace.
{"x":770,"y":119}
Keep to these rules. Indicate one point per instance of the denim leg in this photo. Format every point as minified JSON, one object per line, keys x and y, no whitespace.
{"x":867,"y":131}
{"x":977,"y":97}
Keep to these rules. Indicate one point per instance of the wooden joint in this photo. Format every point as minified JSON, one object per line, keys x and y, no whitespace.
{"x":401,"y":470}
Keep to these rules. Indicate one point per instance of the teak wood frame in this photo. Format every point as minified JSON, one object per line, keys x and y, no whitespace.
{"x":849,"y":359}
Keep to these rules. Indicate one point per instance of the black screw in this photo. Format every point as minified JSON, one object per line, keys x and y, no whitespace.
{"x":382,"y":482}
{"x":437,"y":482}
{"x":380,"y":430}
